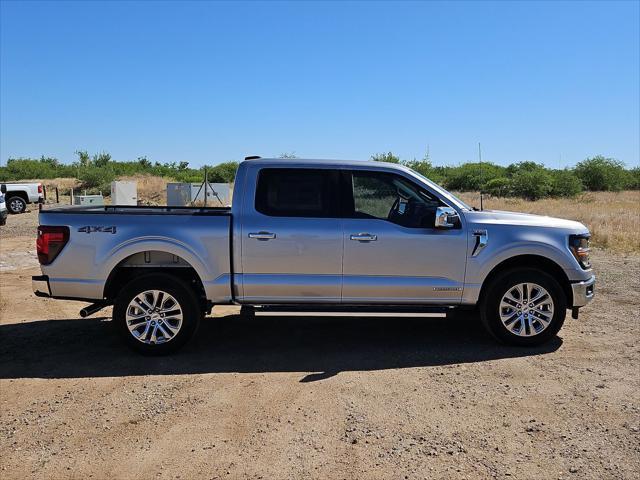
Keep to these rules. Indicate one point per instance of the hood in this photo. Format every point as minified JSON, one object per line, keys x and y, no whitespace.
{"x":498,"y":217}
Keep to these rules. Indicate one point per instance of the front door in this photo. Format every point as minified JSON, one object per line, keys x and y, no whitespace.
{"x":291,"y":237}
{"x":392,"y":252}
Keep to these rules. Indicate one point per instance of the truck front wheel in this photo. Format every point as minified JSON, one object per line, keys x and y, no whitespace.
{"x":156,"y":314}
{"x":523,"y":307}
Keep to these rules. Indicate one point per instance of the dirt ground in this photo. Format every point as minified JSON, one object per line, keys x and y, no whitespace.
{"x":283,"y":397}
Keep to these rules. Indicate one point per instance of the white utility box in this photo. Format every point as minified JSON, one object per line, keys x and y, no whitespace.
{"x":124,"y":193}
{"x":88,"y":200}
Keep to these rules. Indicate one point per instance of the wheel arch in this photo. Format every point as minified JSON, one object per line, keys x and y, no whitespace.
{"x":151,"y":261}
{"x":537,"y":262}
{"x":18,"y":193}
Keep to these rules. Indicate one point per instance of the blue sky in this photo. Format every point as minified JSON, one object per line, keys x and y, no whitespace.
{"x":211,"y":82}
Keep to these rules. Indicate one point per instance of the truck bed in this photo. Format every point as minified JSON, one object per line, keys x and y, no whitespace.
{"x":102,"y":238}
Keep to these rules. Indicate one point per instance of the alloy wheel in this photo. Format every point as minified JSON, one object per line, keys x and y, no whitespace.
{"x":526,"y":309}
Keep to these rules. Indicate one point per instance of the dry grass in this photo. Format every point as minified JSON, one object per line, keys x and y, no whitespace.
{"x":64,"y":184}
{"x":612,"y":217}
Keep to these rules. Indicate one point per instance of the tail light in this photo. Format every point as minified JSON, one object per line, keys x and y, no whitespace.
{"x":579,"y":245}
{"x":50,"y":242}
{"x":39,"y":188}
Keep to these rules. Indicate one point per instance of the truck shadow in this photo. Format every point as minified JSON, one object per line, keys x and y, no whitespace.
{"x":78,"y":348}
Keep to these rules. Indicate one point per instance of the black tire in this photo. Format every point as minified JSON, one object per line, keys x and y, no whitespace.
{"x":499,"y":286}
{"x":16,"y":204}
{"x":168,"y":284}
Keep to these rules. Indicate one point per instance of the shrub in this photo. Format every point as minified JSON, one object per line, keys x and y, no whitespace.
{"x":96,"y":180}
{"x":531,"y":184}
{"x":385,"y":157}
{"x":472,"y":176}
{"x":498,"y":187}
{"x":633,"y":179}
{"x":565,"y":183}
{"x":222,"y":173}
{"x":600,"y":173}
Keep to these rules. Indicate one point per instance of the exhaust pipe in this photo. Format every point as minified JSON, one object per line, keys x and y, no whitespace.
{"x":93,"y":308}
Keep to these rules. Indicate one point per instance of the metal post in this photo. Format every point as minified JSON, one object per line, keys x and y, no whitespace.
{"x":206,"y":184}
{"x":57,"y":196}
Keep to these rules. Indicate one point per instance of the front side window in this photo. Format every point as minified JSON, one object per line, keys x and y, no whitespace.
{"x":390,"y":197}
{"x":297,"y":192}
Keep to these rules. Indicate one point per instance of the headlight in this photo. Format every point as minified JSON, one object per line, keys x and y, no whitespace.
{"x":579,"y":245}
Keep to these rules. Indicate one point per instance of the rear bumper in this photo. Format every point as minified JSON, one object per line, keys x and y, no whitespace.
{"x":583,"y":292}
{"x":40,"y":286}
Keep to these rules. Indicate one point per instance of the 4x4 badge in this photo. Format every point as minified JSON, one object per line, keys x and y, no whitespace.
{"x":97,"y":228}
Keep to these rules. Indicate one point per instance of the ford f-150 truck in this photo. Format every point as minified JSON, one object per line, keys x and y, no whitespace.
{"x":316,"y":235}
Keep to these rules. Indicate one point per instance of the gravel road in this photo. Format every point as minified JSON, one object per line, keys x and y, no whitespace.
{"x":317,"y":397}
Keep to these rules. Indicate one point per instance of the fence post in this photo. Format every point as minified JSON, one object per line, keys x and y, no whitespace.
{"x":206,"y":184}
{"x":57,"y":197}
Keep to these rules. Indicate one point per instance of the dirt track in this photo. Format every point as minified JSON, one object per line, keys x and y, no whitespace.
{"x":318,"y":397}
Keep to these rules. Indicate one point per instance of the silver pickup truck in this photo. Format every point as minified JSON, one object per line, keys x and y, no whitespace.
{"x":316,"y":235}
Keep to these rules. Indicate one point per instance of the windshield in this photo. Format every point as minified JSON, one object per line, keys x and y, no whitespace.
{"x":440,"y":190}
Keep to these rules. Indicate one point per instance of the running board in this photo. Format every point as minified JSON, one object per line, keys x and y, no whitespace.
{"x":345,"y":311}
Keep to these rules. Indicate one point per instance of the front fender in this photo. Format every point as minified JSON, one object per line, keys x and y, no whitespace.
{"x":504,"y":244}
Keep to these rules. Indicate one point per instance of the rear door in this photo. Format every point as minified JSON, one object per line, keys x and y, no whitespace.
{"x":291,"y":236}
{"x":392,"y":252}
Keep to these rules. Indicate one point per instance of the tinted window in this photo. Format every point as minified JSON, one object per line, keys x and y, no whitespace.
{"x":391,"y":197}
{"x":288,"y":192}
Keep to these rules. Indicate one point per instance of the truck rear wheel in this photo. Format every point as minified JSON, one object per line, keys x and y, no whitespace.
{"x":523,"y":307}
{"x":16,"y":204}
{"x":156,"y":314}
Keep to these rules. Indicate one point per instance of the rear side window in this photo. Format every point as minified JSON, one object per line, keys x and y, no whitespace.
{"x":297,"y":192}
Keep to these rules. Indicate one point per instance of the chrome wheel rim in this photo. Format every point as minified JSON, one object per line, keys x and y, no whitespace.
{"x":154,"y":317}
{"x":526,"y":309}
{"x":16,"y":205}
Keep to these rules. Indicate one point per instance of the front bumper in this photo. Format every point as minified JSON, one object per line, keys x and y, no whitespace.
{"x":3,"y":216}
{"x":583,"y":292}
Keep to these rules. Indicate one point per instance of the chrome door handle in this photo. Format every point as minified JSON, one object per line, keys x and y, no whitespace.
{"x":263,"y":235}
{"x":364,"y":237}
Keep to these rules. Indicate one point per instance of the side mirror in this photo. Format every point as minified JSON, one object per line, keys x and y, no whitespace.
{"x":446,"y":217}
{"x":3,"y":188}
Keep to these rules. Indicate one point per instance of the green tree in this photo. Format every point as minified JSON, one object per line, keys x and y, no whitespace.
{"x":101,"y":159}
{"x":223,"y":172}
{"x":565,"y":183}
{"x":144,"y":163}
{"x":472,"y":176}
{"x":83,"y":158}
{"x":633,"y":179}
{"x":385,"y":157}
{"x":498,"y":187}
{"x":529,"y":180}
{"x":601,"y":173}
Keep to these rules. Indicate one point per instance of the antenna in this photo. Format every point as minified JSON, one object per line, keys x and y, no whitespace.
{"x":481,"y":174}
